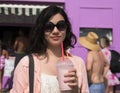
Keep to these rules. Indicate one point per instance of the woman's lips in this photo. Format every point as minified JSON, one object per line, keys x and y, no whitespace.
{"x":56,"y":38}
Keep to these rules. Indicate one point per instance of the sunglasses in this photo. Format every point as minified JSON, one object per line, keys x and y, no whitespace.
{"x":61,"y":26}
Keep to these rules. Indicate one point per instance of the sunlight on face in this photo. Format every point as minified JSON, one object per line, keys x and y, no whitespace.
{"x":55,"y":37}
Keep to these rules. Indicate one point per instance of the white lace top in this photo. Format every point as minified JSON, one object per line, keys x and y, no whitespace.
{"x":49,"y":84}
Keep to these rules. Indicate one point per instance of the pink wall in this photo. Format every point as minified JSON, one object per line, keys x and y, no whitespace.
{"x":92,"y":13}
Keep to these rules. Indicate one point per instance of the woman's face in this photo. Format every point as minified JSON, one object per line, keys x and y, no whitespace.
{"x":102,"y":43}
{"x":55,"y":30}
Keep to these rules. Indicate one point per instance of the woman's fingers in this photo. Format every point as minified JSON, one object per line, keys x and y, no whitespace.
{"x":71,"y":72}
{"x":71,"y":78}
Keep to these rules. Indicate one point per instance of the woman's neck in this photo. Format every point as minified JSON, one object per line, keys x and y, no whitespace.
{"x":56,"y":51}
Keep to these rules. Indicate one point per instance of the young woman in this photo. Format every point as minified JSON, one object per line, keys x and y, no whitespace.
{"x":112,"y":80}
{"x":52,"y":28}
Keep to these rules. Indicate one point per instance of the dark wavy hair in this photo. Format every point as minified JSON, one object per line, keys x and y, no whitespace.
{"x":38,"y":42}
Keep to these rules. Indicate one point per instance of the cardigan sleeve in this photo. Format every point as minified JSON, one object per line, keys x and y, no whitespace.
{"x":81,"y":74}
{"x":20,"y":77}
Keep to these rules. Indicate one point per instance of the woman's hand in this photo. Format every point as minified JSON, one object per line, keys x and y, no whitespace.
{"x":71,"y":78}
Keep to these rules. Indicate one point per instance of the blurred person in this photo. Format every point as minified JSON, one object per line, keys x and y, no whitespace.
{"x":20,"y":46}
{"x":112,"y":80}
{"x":97,"y":66}
{"x":20,"y":41}
{"x":51,"y":29}
{"x":3,"y":54}
{"x":5,"y":51}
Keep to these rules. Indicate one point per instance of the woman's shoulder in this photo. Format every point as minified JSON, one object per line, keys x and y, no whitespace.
{"x":105,"y":49}
{"x":24,"y":61}
{"x":76,"y":58}
{"x":78,"y":62}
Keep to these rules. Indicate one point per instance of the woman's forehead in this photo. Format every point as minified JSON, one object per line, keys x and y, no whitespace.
{"x":57,"y":17}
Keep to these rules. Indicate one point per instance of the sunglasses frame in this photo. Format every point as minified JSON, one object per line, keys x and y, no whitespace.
{"x":61,"y":26}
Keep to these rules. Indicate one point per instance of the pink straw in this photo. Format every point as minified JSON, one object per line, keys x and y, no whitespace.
{"x":62,"y":51}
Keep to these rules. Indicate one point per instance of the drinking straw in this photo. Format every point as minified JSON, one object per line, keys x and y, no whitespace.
{"x":62,"y":51}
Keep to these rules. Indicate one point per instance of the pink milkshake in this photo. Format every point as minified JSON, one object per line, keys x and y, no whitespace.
{"x":62,"y":67}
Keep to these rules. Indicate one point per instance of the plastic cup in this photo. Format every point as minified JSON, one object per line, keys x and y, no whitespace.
{"x":62,"y":67}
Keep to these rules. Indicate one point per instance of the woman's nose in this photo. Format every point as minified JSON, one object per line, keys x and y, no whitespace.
{"x":55,"y":30}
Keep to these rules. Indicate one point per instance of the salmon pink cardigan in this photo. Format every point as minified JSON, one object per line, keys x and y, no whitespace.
{"x":21,"y":76}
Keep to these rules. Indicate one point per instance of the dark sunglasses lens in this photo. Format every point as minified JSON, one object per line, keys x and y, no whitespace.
{"x":61,"y":25}
{"x":49,"y":27}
